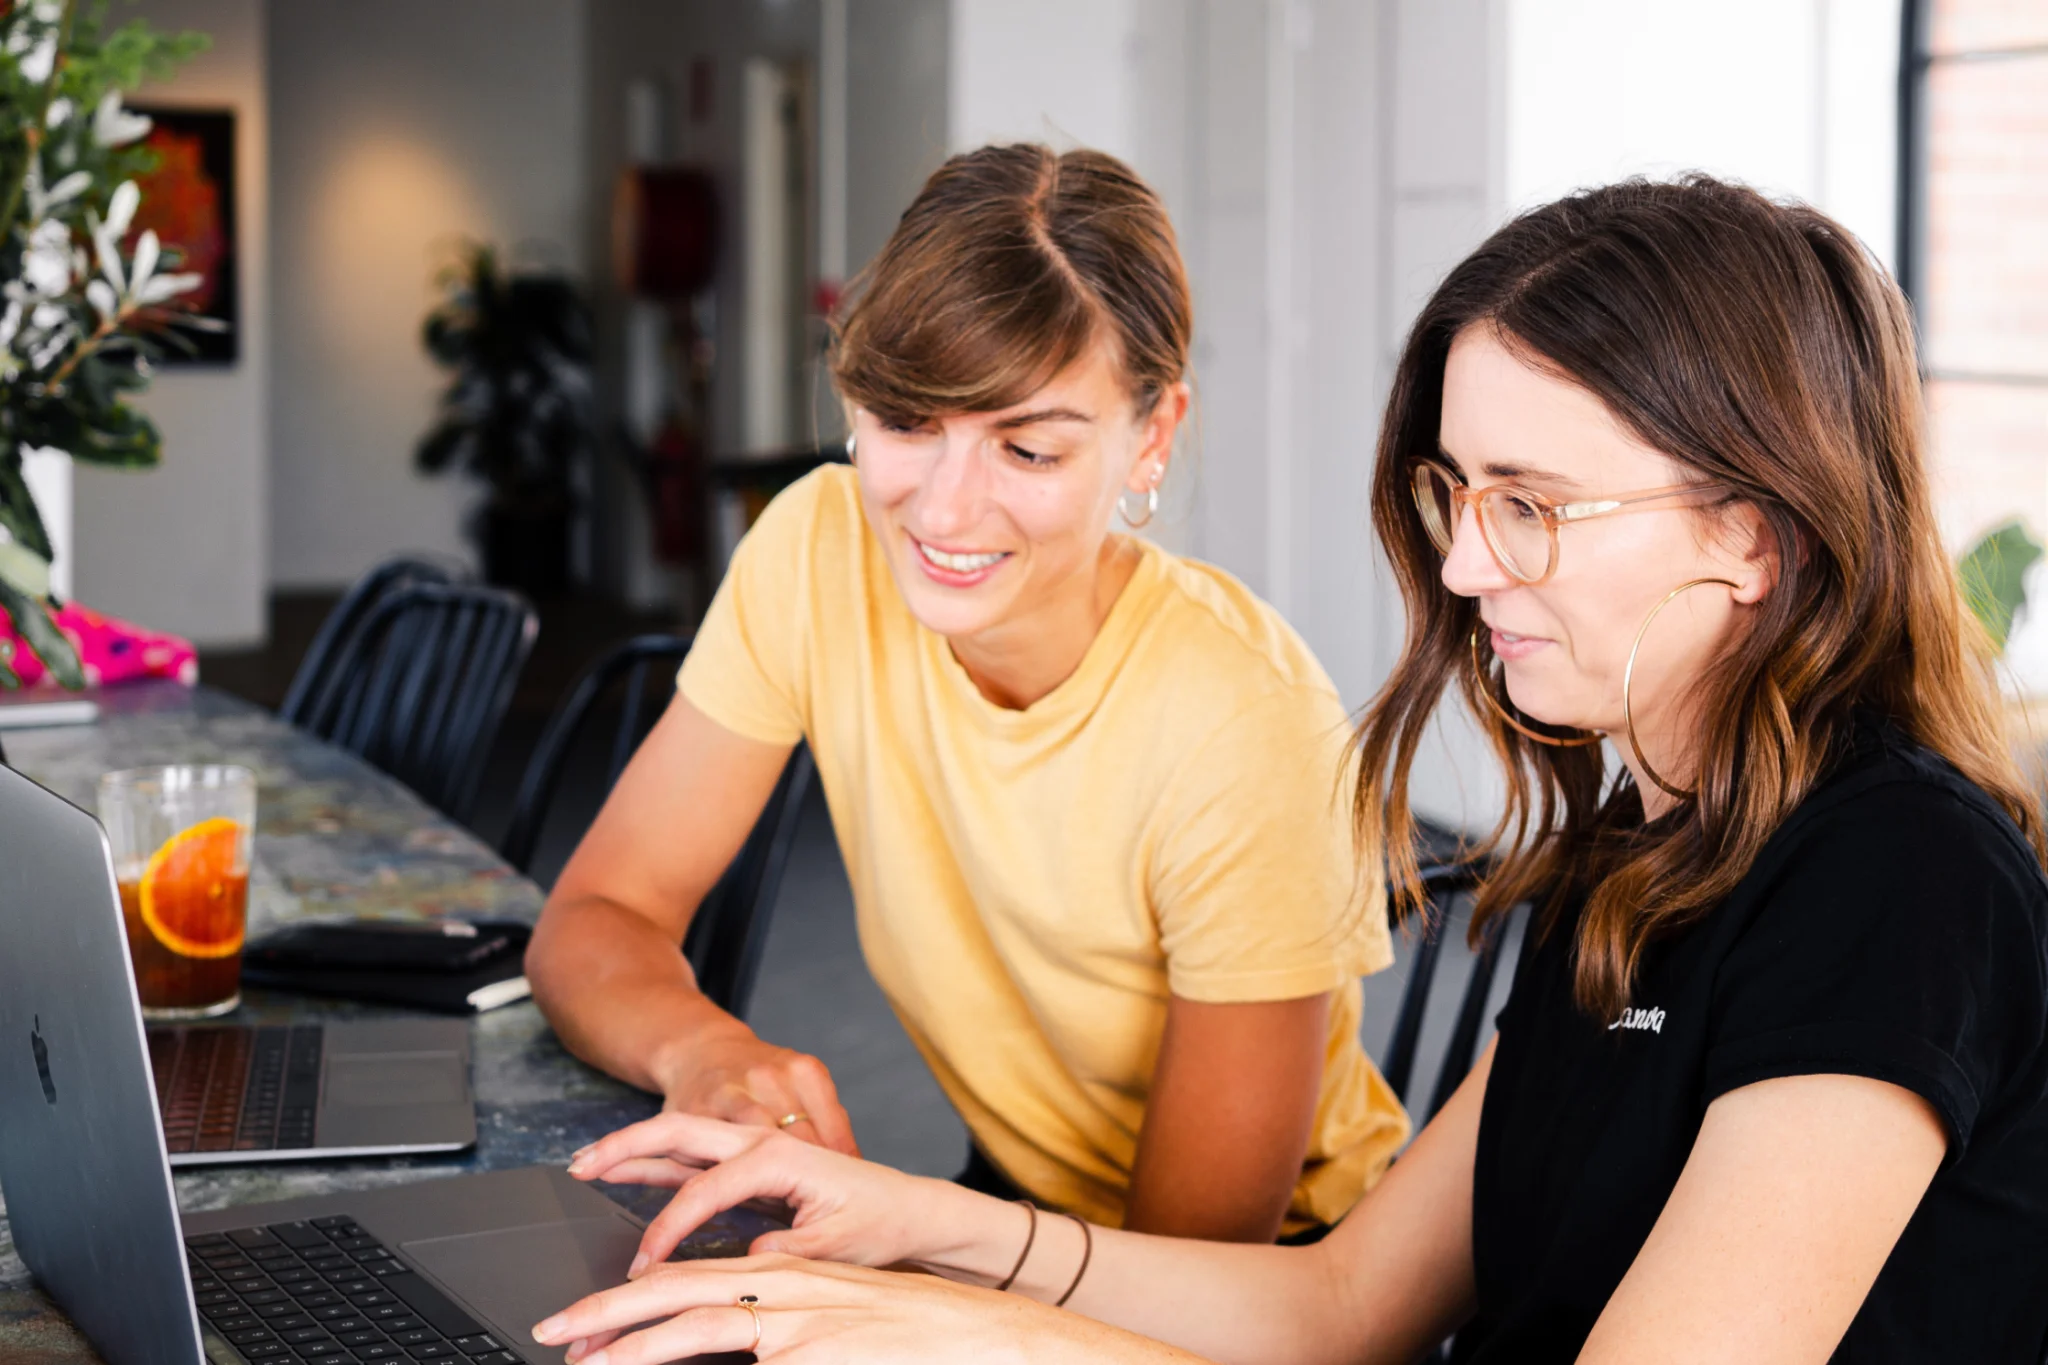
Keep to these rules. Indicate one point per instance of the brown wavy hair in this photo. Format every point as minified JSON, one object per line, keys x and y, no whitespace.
{"x":1759,"y":345}
{"x":1011,"y":262}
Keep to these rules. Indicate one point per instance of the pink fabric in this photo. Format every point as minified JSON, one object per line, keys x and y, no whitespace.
{"x":111,"y":651}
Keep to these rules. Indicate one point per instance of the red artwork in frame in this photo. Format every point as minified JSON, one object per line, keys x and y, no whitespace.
{"x":189,"y":201}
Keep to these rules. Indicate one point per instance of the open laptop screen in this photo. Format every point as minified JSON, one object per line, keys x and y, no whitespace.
{"x":82,"y":1162}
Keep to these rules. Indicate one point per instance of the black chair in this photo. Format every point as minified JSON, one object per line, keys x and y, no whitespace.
{"x":631,"y":660}
{"x":422,"y":685}
{"x":1445,"y":873}
{"x":730,"y":930}
{"x":339,"y":634}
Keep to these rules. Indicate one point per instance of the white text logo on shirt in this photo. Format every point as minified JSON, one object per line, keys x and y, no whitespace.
{"x":1651,"y":1020}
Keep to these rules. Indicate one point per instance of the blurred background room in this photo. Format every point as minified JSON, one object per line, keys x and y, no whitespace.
{"x":631,"y":218}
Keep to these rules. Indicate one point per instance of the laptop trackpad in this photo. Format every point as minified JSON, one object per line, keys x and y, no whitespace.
{"x":375,"y":1082}
{"x":517,"y":1276}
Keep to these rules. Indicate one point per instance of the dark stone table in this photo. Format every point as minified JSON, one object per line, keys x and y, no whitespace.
{"x":334,"y":837}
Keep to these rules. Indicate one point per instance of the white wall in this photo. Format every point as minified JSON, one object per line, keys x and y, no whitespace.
{"x":1217,"y":497}
{"x":897,"y":118}
{"x":1327,"y":158}
{"x":1796,"y":97}
{"x":184,"y":547}
{"x":397,"y":129}
{"x":1057,"y":71}
{"x":1442,"y":98}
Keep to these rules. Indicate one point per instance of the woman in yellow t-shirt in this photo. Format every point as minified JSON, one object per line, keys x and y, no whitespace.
{"x":1088,"y":793}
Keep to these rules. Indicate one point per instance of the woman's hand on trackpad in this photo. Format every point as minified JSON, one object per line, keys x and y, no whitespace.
{"x":843,"y":1209}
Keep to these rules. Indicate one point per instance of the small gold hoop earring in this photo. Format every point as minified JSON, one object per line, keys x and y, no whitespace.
{"x":1151,"y":507}
{"x":1628,"y":673}
{"x":1514,"y":723}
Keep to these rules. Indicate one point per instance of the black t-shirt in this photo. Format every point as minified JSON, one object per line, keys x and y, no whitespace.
{"x":1896,"y":926}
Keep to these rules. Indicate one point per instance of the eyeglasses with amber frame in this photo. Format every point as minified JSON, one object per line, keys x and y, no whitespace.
{"x":1520,"y":527}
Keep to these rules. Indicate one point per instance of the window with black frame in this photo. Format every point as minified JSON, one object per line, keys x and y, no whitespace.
{"x":1974,"y":251}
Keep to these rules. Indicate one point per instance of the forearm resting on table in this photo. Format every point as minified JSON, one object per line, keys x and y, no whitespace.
{"x":619,"y":992}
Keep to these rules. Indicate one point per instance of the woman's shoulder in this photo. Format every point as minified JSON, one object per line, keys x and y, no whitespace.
{"x":1897,"y":831}
{"x":1889,"y":791}
{"x":824,"y":502}
{"x":1207,"y":619}
{"x":810,"y":538}
{"x":1896,"y":928}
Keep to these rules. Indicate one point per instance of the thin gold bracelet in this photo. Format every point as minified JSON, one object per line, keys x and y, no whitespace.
{"x":1029,"y":1238}
{"x":1087,"y":1251}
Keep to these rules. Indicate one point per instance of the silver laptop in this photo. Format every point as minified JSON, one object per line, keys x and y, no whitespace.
{"x":239,"y":1092}
{"x":455,"y":1270}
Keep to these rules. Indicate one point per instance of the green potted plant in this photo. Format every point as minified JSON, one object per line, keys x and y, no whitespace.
{"x":81,"y":310}
{"x":1994,"y":577}
{"x":517,"y":413}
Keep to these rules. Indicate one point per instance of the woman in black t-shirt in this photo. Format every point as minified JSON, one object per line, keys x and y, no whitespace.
{"x":1772,"y":1083}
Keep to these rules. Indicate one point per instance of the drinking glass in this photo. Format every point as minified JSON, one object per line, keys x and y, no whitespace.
{"x":181,"y":839}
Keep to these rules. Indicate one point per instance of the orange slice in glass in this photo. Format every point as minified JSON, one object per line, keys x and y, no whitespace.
{"x":188,"y":899}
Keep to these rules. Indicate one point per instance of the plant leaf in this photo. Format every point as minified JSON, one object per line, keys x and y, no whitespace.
{"x":442,"y":447}
{"x":69,"y":188}
{"x":1993,"y":574}
{"x":18,"y":514}
{"x":122,"y":205}
{"x":148,"y":250}
{"x":158,"y":288}
{"x":32,"y":622}
{"x":25,"y":569}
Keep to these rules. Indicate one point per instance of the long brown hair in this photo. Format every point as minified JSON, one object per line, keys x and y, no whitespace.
{"x":1759,"y":345}
{"x":1010,"y":263}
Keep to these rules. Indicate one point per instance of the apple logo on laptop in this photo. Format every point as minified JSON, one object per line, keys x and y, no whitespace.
{"x":35,"y":1041}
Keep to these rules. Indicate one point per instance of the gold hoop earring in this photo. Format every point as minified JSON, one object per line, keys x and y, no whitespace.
{"x":1517,"y":725}
{"x":1151,"y":507}
{"x":1628,"y":674}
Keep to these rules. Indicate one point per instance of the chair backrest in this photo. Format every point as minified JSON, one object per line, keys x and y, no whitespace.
{"x":424,"y":686}
{"x":339,"y":634}
{"x":730,"y":929}
{"x":727,"y":937}
{"x":1443,"y":877}
{"x":632,"y":660}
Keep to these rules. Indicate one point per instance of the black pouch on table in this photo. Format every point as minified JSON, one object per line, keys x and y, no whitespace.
{"x":452,"y":967}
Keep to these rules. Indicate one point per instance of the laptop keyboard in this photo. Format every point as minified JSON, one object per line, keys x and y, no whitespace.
{"x":236,"y":1089}
{"x":324,"y":1292}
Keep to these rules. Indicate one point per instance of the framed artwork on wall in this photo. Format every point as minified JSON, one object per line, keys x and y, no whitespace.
{"x":189,"y":200}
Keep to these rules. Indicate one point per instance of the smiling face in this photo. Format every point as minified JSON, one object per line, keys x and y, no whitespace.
{"x":996,"y":524}
{"x":1565,"y":642}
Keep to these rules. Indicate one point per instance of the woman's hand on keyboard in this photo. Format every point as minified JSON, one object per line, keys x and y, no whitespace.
{"x":843,"y":1209}
{"x":807,"y":1311}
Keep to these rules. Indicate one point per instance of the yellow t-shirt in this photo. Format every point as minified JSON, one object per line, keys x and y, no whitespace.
{"x":1032,"y":885}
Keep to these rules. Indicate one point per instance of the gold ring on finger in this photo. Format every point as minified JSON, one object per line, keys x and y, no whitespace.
{"x":752,"y":1305}
{"x":788,"y":1120}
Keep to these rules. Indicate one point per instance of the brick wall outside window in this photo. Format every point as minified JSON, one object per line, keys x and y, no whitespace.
{"x":1984,"y":284}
